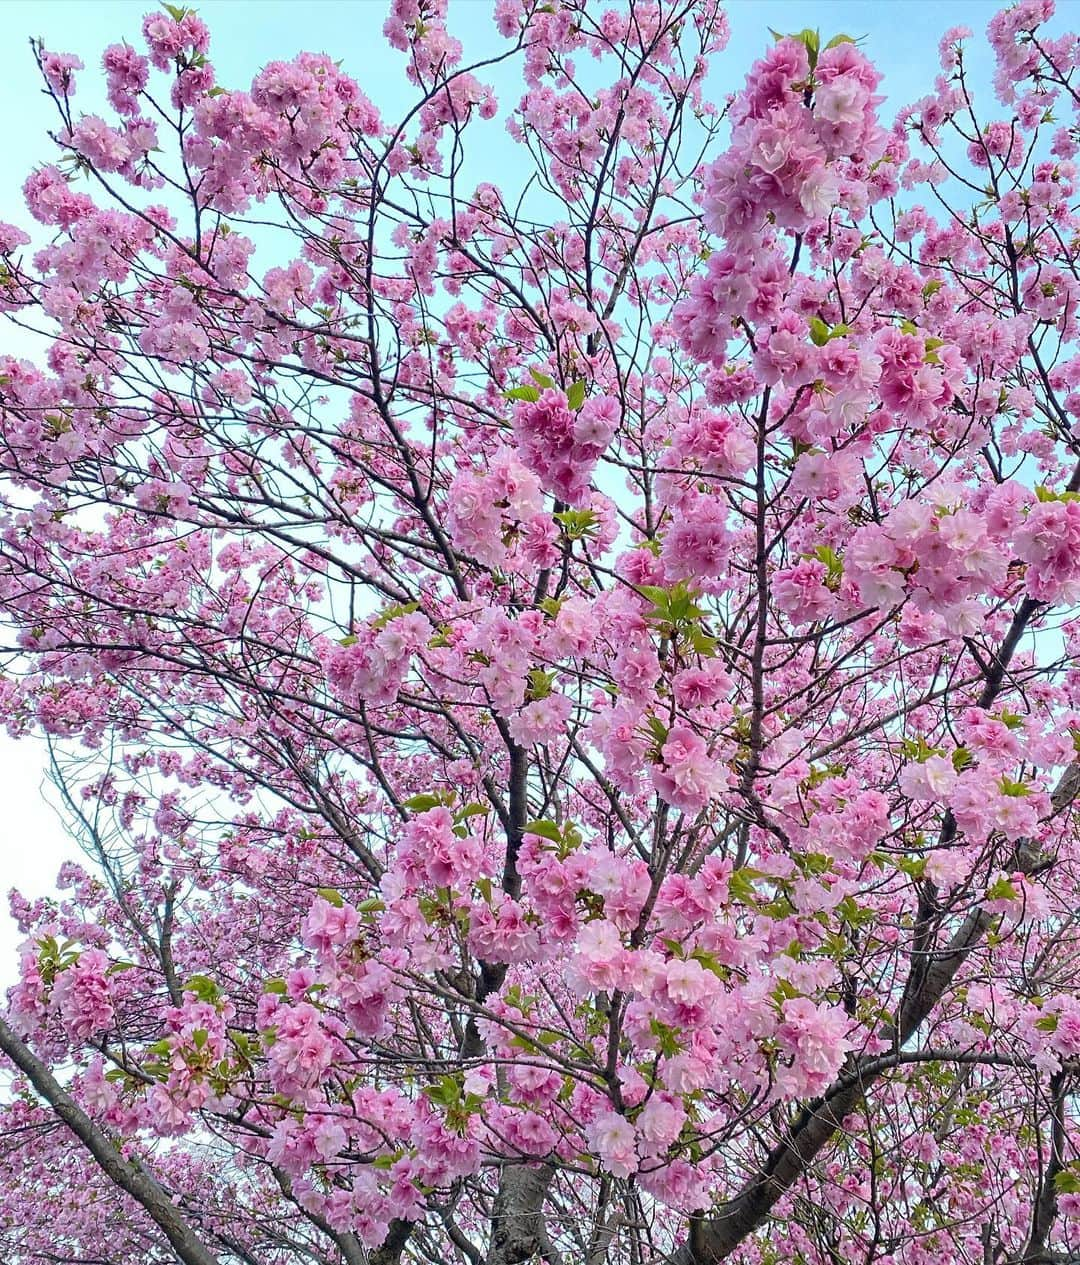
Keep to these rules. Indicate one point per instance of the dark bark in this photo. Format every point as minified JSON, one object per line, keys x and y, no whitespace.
{"x":714,"y":1238}
{"x":389,"y":1253}
{"x":518,"y":1232}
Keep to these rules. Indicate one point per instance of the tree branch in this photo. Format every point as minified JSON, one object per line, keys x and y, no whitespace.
{"x":129,"y":1175}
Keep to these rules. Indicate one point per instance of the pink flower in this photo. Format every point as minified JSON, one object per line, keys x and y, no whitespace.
{"x":704,"y":686}
{"x":328,"y":927}
{"x":841,"y":100}
{"x":543,"y":721}
{"x":688,"y":981}
{"x":431,"y":852}
{"x":1049,"y":542}
{"x":698,"y":542}
{"x":933,"y":779}
{"x":678,"y":1183}
{"x":301,"y":1051}
{"x":816,"y":1038}
{"x":800,"y":592}
{"x":688,"y":777}
{"x":561,"y":446}
{"x":819,"y":192}
{"x":660,"y":1121}
{"x":612,"y":1137}
{"x":81,"y":993}
{"x":600,"y":961}
{"x":59,"y":70}
{"x":529,"y":1132}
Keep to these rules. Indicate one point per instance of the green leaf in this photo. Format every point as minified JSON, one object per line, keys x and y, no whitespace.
{"x":203,"y":987}
{"x":962,"y":759}
{"x":654,"y":592}
{"x":531,"y":394}
{"x":785,"y":991}
{"x":741,"y":885}
{"x":837,"y":40}
{"x":675,"y":606}
{"x":1002,"y":889}
{"x":667,"y":1038}
{"x":545,"y":829}
{"x":541,"y":379}
{"x":424,"y":802}
{"x":817,"y":776}
{"x":332,"y":897}
{"x":578,"y":523}
{"x":1067,"y":1182}
{"x":1014,"y":790}
{"x":373,"y":905}
{"x":711,"y":963}
{"x":702,"y":643}
{"x":446,"y":1092}
{"x":541,"y":684}
{"x":277,"y":986}
{"x":819,"y":331}
{"x":918,"y":749}
{"x":1048,"y":1023}
{"x":395,"y":612}
{"x":854,"y":914}
{"x":812,"y":41}
{"x":834,"y":565}
{"x":575,"y":397}
{"x":177,"y":14}
{"x":913,"y":867}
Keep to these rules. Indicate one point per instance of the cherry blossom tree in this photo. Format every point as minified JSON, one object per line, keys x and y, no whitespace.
{"x":569,"y":692}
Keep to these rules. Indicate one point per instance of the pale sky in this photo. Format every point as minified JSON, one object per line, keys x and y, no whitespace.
{"x":901,"y":36}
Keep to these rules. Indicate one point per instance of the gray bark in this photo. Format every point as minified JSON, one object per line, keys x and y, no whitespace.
{"x":518,"y":1232}
{"x":131,"y":1177}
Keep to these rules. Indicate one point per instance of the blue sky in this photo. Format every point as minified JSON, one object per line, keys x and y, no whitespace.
{"x":901,"y":36}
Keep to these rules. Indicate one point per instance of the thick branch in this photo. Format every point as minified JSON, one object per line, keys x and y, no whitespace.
{"x":127,"y":1174}
{"x":714,"y":1238}
{"x":389,"y":1253}
{"x":518,"y":1232}
{"x":1046,"y":1205}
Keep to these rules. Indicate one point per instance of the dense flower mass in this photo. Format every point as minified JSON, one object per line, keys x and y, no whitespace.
{"x":570,"y":691}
